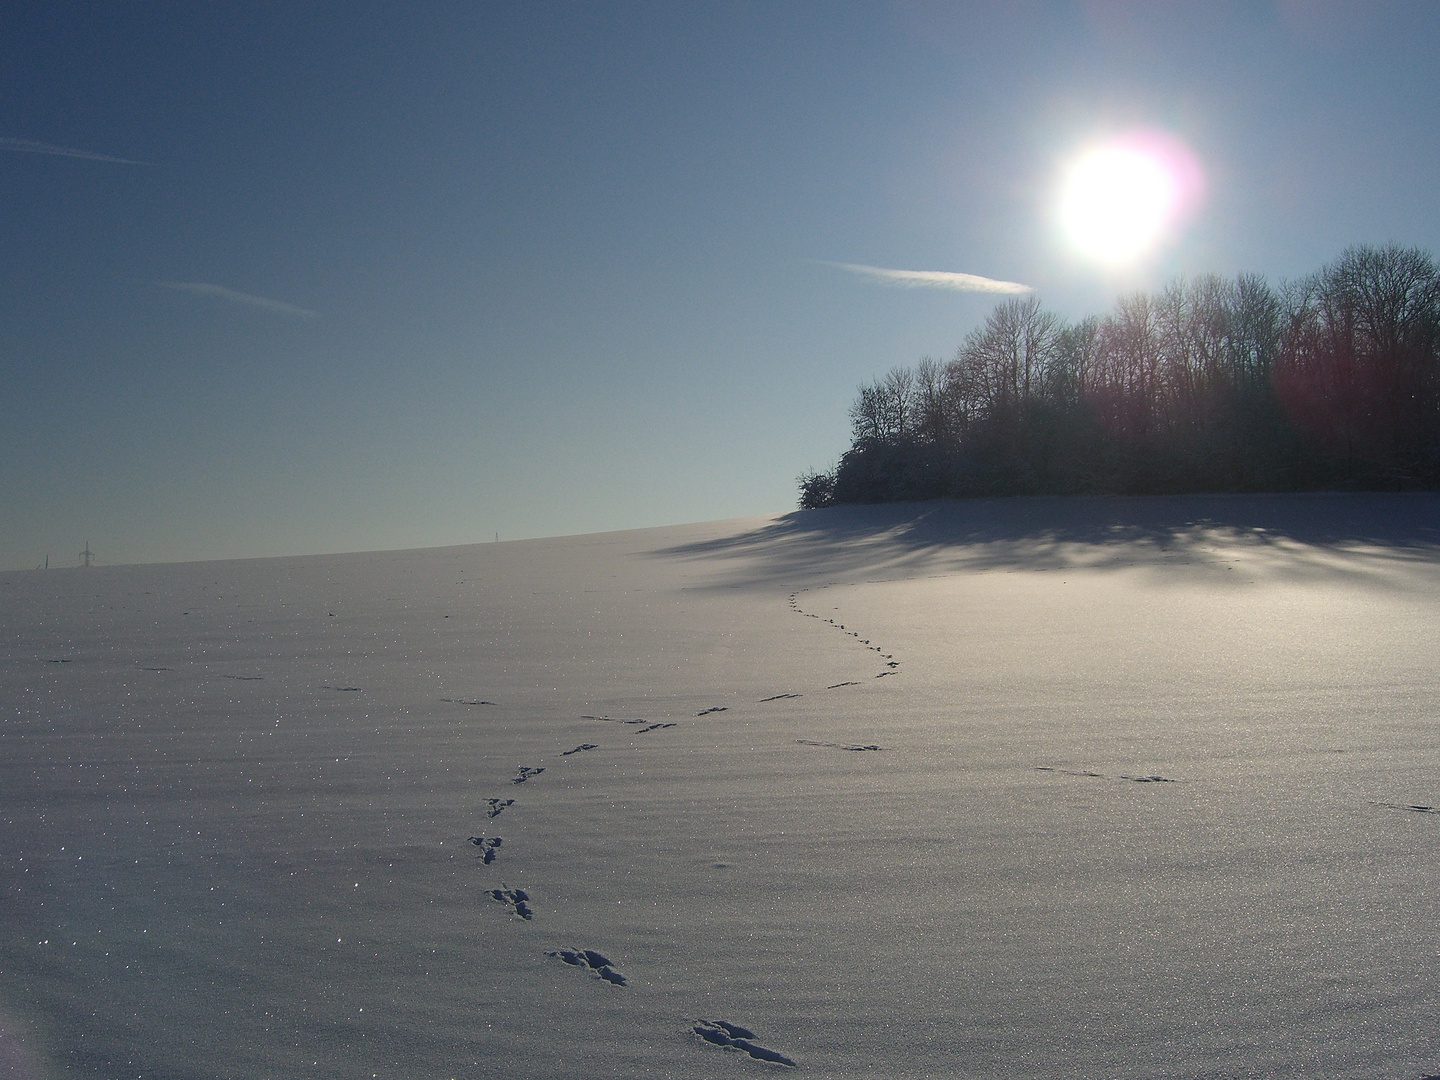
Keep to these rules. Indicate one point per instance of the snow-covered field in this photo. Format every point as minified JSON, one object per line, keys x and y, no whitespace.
{"x":1032,"y":788}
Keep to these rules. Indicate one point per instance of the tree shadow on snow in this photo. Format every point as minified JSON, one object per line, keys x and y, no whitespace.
{"x":1351,"y":534}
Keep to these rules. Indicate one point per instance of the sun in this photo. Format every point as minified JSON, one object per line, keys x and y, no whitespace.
{"x":1121,"y":199}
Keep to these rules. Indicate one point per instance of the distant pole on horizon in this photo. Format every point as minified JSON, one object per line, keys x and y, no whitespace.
{"x":87,"y":554}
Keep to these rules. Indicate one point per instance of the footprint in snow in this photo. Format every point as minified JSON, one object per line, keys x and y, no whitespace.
{"x":596,"y":962}
{"x":1151,"y":779}
{"x":730,"y":1036}
{"x":1416,"y":808}
{"x":489,"y":847}
{"x":615,"y":720}
{"x":839,"y":746}
{"x":517,"y":900}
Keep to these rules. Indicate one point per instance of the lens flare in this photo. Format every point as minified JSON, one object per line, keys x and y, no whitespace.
{"x":1122,"y":199}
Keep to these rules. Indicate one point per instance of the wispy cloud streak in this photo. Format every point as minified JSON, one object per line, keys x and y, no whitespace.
{"x":931,"y":279}
{"x":203,"y":288}
{"x":30,"y":146}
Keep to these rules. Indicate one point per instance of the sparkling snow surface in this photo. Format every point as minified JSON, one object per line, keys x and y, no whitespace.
{"x":1032,"y":788}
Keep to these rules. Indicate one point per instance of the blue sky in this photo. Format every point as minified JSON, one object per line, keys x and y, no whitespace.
{"x":353,"y":277}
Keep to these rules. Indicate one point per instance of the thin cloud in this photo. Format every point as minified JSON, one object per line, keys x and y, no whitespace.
{"x":203,"y":288}
{"x":30,"y":146}
{"x":932,"y":279}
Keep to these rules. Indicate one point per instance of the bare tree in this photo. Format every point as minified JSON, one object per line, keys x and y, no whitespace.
{"x":886,"y":409}
{"x":1005,"y":364}
{"x":1128,"y":368}
{"x":1360,"y":365}
{"x":1256,"y":323}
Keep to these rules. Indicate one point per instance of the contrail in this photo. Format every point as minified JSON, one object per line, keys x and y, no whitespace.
{"x":931,"y":279}
{"x":30,"y":146}
{"x":202,"y":288}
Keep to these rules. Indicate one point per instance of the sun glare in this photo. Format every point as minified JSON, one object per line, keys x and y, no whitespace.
{"x":1122,"y":199}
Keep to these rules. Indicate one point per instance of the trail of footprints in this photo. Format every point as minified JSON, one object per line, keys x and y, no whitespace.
{"x":719,"y":1033}
{"x":723,"y":1034}
{"x":891,"y":663}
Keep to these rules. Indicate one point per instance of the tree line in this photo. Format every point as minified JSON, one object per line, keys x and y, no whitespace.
{"x":1332,"y":381}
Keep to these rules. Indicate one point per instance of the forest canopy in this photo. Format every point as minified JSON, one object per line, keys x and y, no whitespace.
{"x":1214,"y":385}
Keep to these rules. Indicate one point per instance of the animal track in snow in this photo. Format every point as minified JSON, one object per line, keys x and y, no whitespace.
{"x":1417,"y":808}
{"x":517,"y":900}
{"x":892,"y":663}
{"x":713,"y":708}
{"x":780,"y":697}
{"x":489,"y":847}
{"x":527,"y":772}
{"x":498,"y":805}
{"x":615,"y":720}
{"x":839,"y":746}
{"x":1151,"y":779}
{"x":734,"y":1037}
{"x":465,"y":701}
{"x":589,"y":958}
{"x":580,"y":748}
